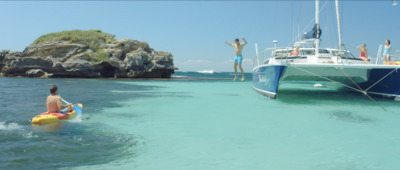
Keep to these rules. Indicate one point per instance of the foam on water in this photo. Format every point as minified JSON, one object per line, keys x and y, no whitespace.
{"x":206,"y":71}
{"x":76,"y":119}
{"x":9,"y":126}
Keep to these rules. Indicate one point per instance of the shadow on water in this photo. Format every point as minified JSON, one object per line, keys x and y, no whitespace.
{"x":153,"y":94}
{"x":296,"y":96}
{"x":348,"y":116}
{"x":66,"y":144}
{"x":341,"y":98}
{"x":226,"y":94}
{"x":94,"y":94}
{"x":72,"y":145}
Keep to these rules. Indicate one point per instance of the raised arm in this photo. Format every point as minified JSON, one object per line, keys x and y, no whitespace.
{"x":359,"y":47}
{"x":228,"y":43}
{"x":244,"y":41}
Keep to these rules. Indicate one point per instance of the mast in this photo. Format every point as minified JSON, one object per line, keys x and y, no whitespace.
{"x":317,"y":27}
{"x":258,"y":59}
{"x":338,"y":22}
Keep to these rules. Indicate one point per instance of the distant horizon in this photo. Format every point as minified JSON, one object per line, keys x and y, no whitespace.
{"x":195,"y":31}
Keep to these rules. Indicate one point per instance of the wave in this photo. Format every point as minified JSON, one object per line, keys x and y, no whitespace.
{"x":76,"y":119}
{"x":206,"y":71}
{"x":9,"y":126}
{"x":179,"y":76}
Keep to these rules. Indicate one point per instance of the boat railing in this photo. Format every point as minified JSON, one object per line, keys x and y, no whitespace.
{"x":264,"y":56}
{"x":282,"y":55}
{"x":394,"y":58}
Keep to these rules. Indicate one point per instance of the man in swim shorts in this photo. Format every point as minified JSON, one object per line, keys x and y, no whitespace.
{"x":53,"y":102}
{"x":238,"y":58}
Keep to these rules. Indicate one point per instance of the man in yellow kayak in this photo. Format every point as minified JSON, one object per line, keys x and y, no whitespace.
{"x":53,"y":102}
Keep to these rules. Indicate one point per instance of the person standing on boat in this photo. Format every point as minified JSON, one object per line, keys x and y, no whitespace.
{"x":387,"y":51}
{"x":53,"y":101}
{"x":238,"y":58}
{"x":363,"y":53}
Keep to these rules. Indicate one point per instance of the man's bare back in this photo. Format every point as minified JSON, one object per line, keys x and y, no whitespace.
{"x":54,"y":104}
{"x":53,"y":101}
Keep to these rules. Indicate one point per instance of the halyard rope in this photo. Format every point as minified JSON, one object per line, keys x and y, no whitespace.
{"x":327,"y":79}
{"x":364,"y":91}
{"x":359,"y":90}
{"x":341,"y":69}
{"x":381,"y":79}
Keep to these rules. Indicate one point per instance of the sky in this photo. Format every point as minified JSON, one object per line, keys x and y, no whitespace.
{"x":195,"y":31}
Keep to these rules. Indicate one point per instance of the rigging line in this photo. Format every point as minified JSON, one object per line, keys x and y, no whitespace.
{"x":327,"y":25}
{"x":340,"y":84}
{"x":341,"y":18}
{"x":323,"y":6}
{"x":364,"y":91}
{"x":299,"y":19}
{"x":376,"y":102}
{"x":300,"y":12}
{"x":291,"y":18}
{"x":382,"y":79}
{"x":352,"y":81}
{"x":327,"y":79}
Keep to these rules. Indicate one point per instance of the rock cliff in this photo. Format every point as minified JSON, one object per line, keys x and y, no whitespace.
{"x":68,"y":56}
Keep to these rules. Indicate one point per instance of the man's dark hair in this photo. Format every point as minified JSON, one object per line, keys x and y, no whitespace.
{"x":53,"y":89}
{"x":237,"y":39}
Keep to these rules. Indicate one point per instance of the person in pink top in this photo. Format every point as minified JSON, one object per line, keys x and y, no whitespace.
{"x":53,"y":101}
{"x":363,"y":53}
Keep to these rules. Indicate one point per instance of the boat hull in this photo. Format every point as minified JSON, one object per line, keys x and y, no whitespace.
{"x":45,"y":118}
{"x":388,"y":86}
{"x":266,"y":79}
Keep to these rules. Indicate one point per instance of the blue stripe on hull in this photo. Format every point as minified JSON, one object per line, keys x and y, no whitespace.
{"x":266,"y":79}
{"x":389,"y":86}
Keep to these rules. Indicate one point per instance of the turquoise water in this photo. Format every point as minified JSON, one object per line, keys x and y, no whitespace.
{"x":196,"y":121}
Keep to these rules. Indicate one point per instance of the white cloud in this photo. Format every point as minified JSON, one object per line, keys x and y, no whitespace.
{"x":218,"y":66}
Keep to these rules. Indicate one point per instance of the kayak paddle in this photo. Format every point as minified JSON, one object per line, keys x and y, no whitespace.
{"x":77,"y":109}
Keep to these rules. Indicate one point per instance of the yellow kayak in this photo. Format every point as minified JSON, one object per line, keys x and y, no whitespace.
{"x":45,"y":118}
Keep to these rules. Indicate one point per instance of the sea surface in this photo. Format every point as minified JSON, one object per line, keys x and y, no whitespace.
{"x":197,"y":121}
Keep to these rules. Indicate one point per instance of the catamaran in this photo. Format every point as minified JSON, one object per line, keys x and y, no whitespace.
{"x":275,"y":66}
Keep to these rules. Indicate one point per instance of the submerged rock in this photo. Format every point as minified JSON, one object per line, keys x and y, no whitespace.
{"x":74,"y":56}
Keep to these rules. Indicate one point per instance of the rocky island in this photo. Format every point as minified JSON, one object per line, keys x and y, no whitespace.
{"x":86,"y":54}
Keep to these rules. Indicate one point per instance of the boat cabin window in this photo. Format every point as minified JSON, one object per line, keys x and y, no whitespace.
{"x":347,"y":55}
{"x":282,"y":53}
{"x":312,"y":52}
{"x":343,"y":54}
{"x":324,"y":51}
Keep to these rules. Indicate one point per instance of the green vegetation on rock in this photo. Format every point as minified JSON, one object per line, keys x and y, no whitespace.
{"x":91,"y":38}
{"x":95,"y":58}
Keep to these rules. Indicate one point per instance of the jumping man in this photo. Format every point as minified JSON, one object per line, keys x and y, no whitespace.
{"x":238,"y":58}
